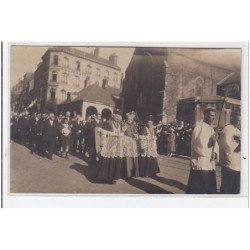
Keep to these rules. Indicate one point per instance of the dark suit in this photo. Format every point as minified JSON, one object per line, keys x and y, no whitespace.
{"x":14,"y":129}
{"x":77,"y":135}
{"x":24,"y":129}
{"x":50,"y":133}
{"x":33,"y":133}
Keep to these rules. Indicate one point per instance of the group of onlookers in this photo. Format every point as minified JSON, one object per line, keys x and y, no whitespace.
{"x":128,"y":148}
{"x":46,"y":134}
{"x":174,"y":138}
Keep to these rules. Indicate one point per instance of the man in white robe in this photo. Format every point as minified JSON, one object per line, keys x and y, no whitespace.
{"x":229,"y":159}
{"x":202,"y":178}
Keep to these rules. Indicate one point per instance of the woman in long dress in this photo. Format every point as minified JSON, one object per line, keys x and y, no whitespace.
{"x":130,"y":149}
{"x":171,"y":142}
{"x":149,"y":166}
{"x":112,"y":150}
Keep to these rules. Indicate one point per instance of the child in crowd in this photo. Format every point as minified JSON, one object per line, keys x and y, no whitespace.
{"x":66,"y":132}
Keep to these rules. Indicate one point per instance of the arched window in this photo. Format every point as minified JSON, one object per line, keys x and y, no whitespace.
{"x":55,"y":60}
{"x":78,"y":65}
{"x":66,"y":62}
{"x":199,"y":86}
{"x":54,"y":76}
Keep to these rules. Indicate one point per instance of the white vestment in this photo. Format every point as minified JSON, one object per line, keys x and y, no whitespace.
{"x":227,"y":142}
{"x":200,"y":151}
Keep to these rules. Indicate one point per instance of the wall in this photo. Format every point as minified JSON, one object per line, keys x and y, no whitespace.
{"x":186,"y":78}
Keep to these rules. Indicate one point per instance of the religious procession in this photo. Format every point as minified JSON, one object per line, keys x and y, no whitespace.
{"x":125,"y":148}
{"x":126,"y":120}
{"x":121,"y":148}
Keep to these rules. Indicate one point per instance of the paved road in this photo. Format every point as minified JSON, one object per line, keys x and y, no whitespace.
{"x":31,"y":174}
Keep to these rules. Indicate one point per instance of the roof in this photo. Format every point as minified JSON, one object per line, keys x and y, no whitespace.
{"x":85,"y":55}
{"x":96,"y":94}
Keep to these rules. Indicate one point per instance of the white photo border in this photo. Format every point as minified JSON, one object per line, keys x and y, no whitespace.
{"x":132,"y":200}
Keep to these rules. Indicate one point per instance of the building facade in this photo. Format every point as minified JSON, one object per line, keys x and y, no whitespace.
{"x":64,"y":71}
{"x":21,"y":91}
{"x":161,"y":81}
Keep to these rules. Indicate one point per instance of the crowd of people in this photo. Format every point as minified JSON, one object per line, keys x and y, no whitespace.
{"x":174,"y":138}
{"x":125,"y":148}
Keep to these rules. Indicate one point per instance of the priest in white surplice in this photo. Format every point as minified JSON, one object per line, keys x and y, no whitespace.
{"x":229,"y":143}
{"x":202,"y":178}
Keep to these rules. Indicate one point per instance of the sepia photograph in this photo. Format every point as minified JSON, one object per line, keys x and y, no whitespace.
{"x":125,"y":120}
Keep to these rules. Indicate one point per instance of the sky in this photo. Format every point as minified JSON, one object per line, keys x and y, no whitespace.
{"x":26,"y":58}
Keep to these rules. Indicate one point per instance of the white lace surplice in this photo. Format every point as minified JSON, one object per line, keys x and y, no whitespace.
{"x":147,"y":144}
{"x":112,"y":143}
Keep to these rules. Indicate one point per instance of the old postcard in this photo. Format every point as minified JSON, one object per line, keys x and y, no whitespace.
{"x":125,"y":120}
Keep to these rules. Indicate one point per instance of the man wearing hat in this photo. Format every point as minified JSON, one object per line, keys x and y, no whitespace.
{"x":202,"y":178}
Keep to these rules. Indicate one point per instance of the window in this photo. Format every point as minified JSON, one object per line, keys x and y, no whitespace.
{"x":63,"y":92}
{"x":104,"y":83}
{"x":54,"y":76}
{"x":199,"y":86}
{"x":68,"y":96}
{"x":52,"y":93}
{"x":115,"y":77}
{"x":86,"y":82}
{"x":55,"y":60}
{"x":89,"y":70}
{"x":98,"y":72}
{"x":78,"y":65}
{"x":65,"y":77}
{"x":66,"y":62}
{"x":107,"y":73}
{"x":76,"y":80}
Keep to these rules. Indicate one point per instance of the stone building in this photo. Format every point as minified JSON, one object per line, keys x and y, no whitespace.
{"x":64,"y":71}
{"x":21,"y":91}
{"x":168,"y":84}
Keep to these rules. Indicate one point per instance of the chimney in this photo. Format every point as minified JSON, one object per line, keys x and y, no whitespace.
{"x":113,"y":58}
{"x":97,"y":52}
